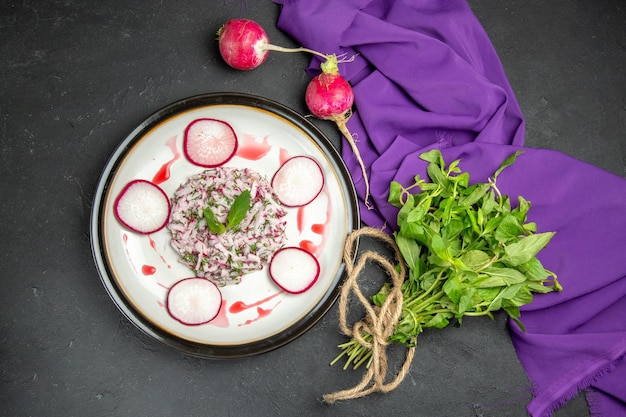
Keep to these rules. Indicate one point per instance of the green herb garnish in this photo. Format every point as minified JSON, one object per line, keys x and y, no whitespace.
{"x":239,"y":209}
{"x":236,"y":214}
{"x":468,"y":253}
{"x":213,"y":224}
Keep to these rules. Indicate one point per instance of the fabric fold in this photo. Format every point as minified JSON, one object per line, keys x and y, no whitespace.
{"x":425,"y":75}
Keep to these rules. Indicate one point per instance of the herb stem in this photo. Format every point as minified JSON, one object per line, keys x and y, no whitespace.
{"x":440,"y":310}
{"x":429,"y":290}
{"x":477,"y":313}
{"x":431,"y":300}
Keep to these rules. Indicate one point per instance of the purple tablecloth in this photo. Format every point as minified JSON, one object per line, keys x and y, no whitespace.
{"x":426,"y":75}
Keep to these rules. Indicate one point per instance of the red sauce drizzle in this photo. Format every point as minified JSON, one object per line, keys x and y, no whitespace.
{"x":130,"y":259}
{"x":300,"y":219}
{"x":261,"y":313}
{"x":250,"y":148}
{"x":148,"y":270}
{"x":163,"y":174}
{"x":309,"y":246}
{"x":221,"y":320}
{"x":317,"y":228}
{"x":125,"y":240}
{"x":283,"y":156}
{"x":159,"y":302}
{"x":239,"y":306}
{"x":153,"y":246}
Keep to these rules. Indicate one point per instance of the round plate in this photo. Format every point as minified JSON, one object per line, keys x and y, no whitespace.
{"x":256,"y":316}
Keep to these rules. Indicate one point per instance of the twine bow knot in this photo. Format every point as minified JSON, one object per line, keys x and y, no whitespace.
{"x":379,"y":322}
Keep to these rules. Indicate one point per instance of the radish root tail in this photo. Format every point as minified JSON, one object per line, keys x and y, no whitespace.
{"x":343,"y":58}
{"x":379,"y":323}
{"x":271,"y":47}
{"x":340,"y":121}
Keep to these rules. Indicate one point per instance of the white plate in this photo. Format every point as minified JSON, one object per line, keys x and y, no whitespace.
{"x":256,"y":315}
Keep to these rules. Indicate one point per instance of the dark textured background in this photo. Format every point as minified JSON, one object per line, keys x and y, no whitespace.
{"x":77,"y":76}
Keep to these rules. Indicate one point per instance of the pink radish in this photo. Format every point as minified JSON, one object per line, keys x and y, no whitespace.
{"x":329,"y":96}
{"x":194,"y":301}
{"x":244,"y":44}
{"x":294,"y":269}
{"x":209,"y":143}
{"x":142,"y":207}
{"x":298,"y":181}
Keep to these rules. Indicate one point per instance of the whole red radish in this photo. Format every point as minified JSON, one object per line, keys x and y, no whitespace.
{"x":243,"y":44}
{"x":329,"y":96}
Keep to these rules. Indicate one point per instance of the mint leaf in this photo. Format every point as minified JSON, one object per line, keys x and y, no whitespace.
{"x":406,"y":209}
{"x":509,"y":229}
{"x":452,"y":288}
{"x":475,"y":259}
{"x":439,"y":321}
{"x":238,"y":210}
{"x":409,"y":249}
{"x":214,"y":226}
{"x":466,"y":302}
{"x":503,"y":276}
{"x":507,"y":162}
{"x":526,"y":248}
{"x":437,"y":175}
{"x":433,"y":156}
{"x":473,"y":194}
{"x":440,"y":249}
{"x":395,"y":194}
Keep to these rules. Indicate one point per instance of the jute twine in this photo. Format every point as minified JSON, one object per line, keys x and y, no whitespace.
{"x":379,"y":322}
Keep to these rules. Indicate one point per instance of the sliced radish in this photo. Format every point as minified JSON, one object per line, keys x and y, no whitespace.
{"x":194,"y":301}
{"x":298,"y":181}
{"x":142,"y":207}
{"x":209,"y":143}
{"x":294,"y":269}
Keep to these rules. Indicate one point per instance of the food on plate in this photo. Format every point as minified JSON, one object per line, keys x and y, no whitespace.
{"x":209,"y":142}
{"x":194,"y":301}
{"x":238,"y":249}
{"x":294,"y":269}
{"x":142,"y":207}
{"x":298,"y":181}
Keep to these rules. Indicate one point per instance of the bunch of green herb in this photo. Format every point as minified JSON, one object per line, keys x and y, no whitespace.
{"x":468,"y":253}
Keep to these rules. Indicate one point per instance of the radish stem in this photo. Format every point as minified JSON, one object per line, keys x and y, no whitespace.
{"x":332,"y":57}
{"x":271,"y":47}
{"x":340,"y":121}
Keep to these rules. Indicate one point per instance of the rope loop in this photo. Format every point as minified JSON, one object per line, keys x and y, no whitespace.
{"x":379,"y":322}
